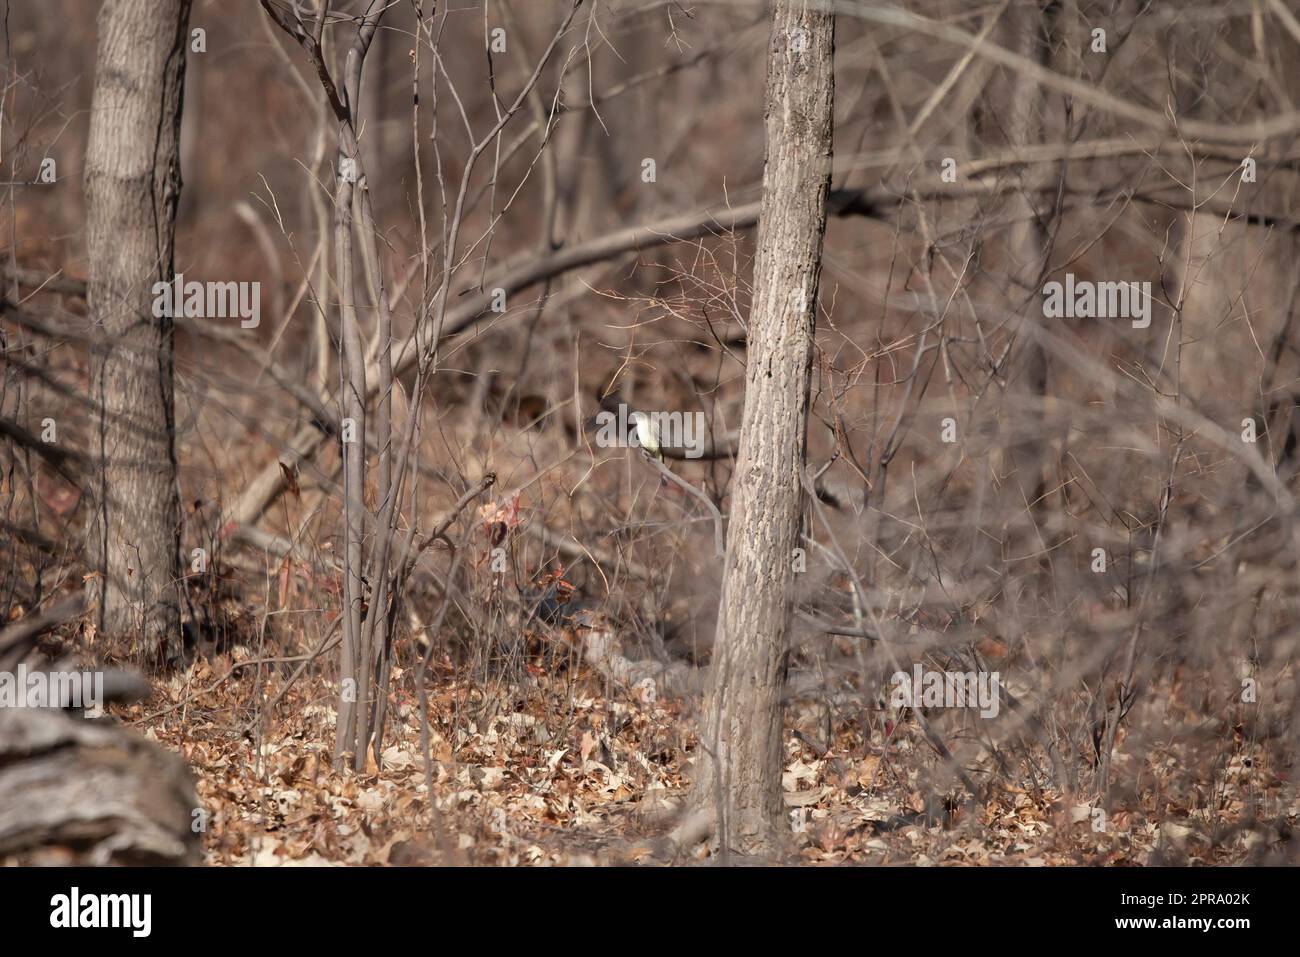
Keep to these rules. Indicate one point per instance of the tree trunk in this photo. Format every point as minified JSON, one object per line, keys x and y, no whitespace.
{"x":1029,"y":28}
{"x":738,"y":777}
{"x":133,"y":182}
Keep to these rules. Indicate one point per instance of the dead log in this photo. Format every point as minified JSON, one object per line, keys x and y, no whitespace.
{"x":74,"y":791}
{"x":91,"y":793}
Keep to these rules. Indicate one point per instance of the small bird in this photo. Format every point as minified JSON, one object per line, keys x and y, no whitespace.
{"x":647,"y":434}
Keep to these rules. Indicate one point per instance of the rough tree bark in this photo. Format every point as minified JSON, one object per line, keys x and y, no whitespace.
{"x":133,"y":183}
{"x":90,"y":793}
{"x":738,"y":772}
{"x":82,"y":792}
{"x":1029,"y":29}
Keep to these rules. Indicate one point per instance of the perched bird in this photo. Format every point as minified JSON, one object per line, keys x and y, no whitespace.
{"x":647,"y":434}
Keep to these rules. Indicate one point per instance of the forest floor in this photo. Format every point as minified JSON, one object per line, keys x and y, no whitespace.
{"x":567,"y":771}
